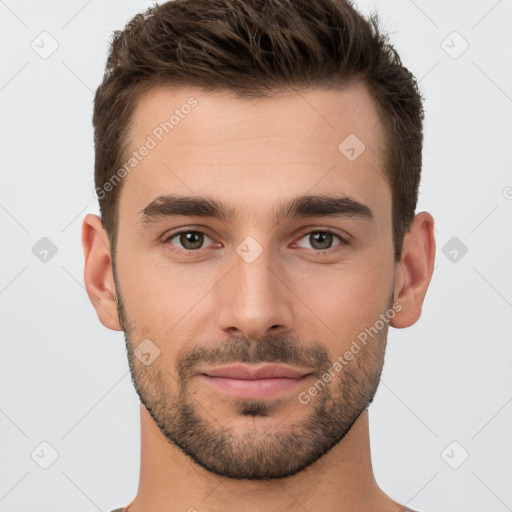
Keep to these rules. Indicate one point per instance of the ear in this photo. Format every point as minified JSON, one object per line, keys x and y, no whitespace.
{"x":98,"y":277}
{"x":414,"y":270}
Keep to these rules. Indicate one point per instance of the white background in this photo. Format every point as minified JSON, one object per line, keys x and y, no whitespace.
{"x":64,"y":377}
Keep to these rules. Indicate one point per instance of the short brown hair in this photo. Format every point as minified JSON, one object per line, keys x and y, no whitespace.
{"x":254,"y":48}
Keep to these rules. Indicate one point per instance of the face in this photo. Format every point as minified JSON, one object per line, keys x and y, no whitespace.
{"x":274,"y":249}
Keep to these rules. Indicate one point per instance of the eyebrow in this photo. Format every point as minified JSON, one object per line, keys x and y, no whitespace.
{"x":304,"y":206}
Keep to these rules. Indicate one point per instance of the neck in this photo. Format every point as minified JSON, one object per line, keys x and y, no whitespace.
{"x":340,"y":481}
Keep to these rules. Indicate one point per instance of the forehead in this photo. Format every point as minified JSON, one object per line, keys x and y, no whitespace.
{"x":246,"y":151}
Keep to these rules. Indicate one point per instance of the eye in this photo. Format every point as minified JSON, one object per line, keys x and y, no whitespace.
{"x":190,"y":240}
{"x":322,"y":240}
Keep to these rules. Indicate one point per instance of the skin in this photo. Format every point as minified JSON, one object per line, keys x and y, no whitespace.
{"x":253,"y":155}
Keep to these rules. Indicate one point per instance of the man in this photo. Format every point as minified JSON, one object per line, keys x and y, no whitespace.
{"x":257,"y":168}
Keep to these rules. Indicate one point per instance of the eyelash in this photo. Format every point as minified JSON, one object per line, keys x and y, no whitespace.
{"x":316,"y":252}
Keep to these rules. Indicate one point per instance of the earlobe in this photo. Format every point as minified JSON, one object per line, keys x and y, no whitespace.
{"x":98,"y":277}
{"x":414,"y":270}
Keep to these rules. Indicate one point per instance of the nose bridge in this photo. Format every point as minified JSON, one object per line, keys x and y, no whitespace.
{"x":253,"y":298}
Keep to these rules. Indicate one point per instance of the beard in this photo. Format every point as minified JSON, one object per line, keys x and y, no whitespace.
{"x":258,"y":452}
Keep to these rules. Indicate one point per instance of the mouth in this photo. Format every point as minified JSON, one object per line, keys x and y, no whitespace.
{"x":246,"y":381}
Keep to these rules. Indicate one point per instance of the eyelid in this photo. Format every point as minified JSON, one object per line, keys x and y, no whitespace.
{"x":344,"y":239}
{"x":173,"y":234}
{"x":343,"y":235}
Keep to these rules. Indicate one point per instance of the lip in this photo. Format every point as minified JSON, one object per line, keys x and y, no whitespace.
{"x":248,"y":382}
{"x":250,"y":372}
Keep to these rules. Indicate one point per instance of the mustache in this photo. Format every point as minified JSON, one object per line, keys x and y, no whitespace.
{"x":239,"y":349}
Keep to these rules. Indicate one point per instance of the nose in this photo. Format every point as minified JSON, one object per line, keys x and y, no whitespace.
{"x":254,"y":299}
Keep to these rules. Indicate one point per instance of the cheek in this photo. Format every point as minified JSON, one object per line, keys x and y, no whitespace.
{"x":162,"y":299}
{"x":333,"y":302}
{"x":346,"y":300}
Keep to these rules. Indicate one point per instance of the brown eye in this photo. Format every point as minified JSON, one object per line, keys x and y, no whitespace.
{"x":321,"y":240}
{"x":188,"y":240}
